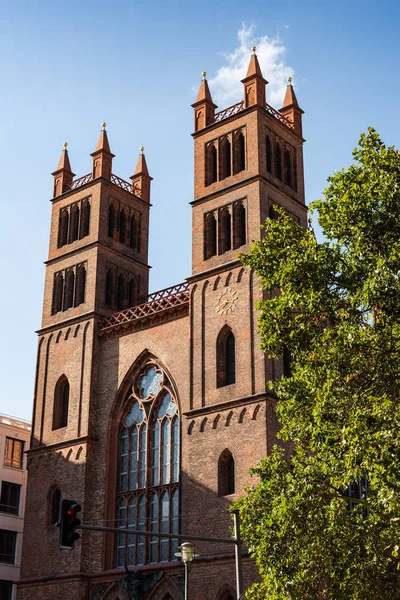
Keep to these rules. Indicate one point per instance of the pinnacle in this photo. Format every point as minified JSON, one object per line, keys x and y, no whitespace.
{"x":290,"y":97}
{"x":254,"y":67}
{"x":141,"y":167}
{"x":103,"y":144}
{"x":63,"y":163}
{"x":204,"y":92}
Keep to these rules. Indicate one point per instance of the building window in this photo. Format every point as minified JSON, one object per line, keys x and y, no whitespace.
{"x":288,"y":168}
{"x":133,"y":292}
{"x":122,"y":226}
{"x":14,"y":453}
{"x":111,"y":221}
{"x":6,"y":589}
{"x":63,"y":227}
{"x":121,"y":292}
{"x":80,"y":285}
{"x":69,"y":288}
{"x":239,"y":225}
{"x":73,"y":224}
{"x":211,"y":164}
{"x":61,"y":403}
{"x":226,"y":474}
{"x":148,"y":488}
{"x":7,"y":546}
{"x":269,"y":154}
{"x":54,"y":506}
{"x":239,"y":159}
{"x":287,"y":363}
{"x":85,"y":219}
{"x":10,"y":495}
{"x":58,"y":292}
{"x":210,"y":236}
{"x":110,"y":284}
{"x":224,"y":158}
{"x":225,"y":357}
{"x":278,"y":161}
{"x":224,"y":231}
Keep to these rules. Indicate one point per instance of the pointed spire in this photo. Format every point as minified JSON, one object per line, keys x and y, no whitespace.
{"x":102,"y":156}
{"x":204,"y":107}
{"x":291,"y":109}
{"x":290,"y":96}
{"x":63,"y":175}
{"x":254,"y":83}
{"x":141,"y":179}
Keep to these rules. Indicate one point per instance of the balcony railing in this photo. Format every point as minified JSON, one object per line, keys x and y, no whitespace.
{"x":164,"y":300}
{"x":125,"y":185}
{"x":236,"y":108}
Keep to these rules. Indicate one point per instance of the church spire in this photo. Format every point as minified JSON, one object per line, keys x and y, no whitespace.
{"x":254,"y":83}
{"x":204,"y":107}
{"x":102,"y":156}
{"x":291,"y":109}
{"x":63,"y":175}
{"x":141,"y":179}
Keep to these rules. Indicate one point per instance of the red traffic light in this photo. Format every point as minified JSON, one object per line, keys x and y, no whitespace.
{"x":68,"y":524}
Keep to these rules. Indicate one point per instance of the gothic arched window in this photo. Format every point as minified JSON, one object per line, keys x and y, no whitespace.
{"x":239,"y":160}
{"x":63,"y":227}
{"x":121,"y":292}
{"x":210,"y":236}
{"x":110,"y":283}
{"x":211,"y":164}
{"x":288,"y":168}
{"x":80,"y":285}
{"x":74,"y":224}
{"x":278,"y":161}
{"x":69,"y":289}
{"x":111,"y":220}
{"x":122,"y":227}
{"x":58,"y":293}
{"x":239,"y":225}
{"x":269,"y":154}
{"x":85,"y":219}
{"x":226,"y":474}
{"x":133,"y":298}
{"x":134,"y":233}
{"x":224,"y":159}
{"x":225,"y":357}
{"x":61,"y":403}
{"x":54,"y":506}
{"x":224,"y":231}
{"x":148,"y":483}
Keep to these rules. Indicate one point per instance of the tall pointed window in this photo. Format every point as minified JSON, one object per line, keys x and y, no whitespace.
{"x":122,"y":227}
{"x":211,"y":164}
{"x":110,"y":285}
{"x":63,"y":227}
{"x":224,"y":231}
{"x":278,"y":161}
{"x":226,"y":370}
{"x":61,"y":403}
{"x":225,"y":158}
{"x":269,"y":154}
{"x":85,"y":219}
{"x":58,"y":293}
{"x":148,"y":484}
{"x":288,"y":168}
{"x":133,"y":298}
{"x":54,"y":501}
{"x":239,"y":160}
{"x":111,"y":220}
{"x":226,"y":474}
{"x":80,"y":285}
{"x":74,"y":223}
{"x":121,"y":292}
{"x":210,"y":236}
{"x":239,"y":225}
{"x":69,"y":289}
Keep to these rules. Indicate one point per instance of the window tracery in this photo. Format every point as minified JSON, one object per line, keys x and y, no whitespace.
{"x":148,"y":484}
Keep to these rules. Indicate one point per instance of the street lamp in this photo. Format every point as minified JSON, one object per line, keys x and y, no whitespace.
{"x":186,"y":555}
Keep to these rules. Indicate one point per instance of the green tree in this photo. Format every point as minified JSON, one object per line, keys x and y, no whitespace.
{"x":338,"y":313}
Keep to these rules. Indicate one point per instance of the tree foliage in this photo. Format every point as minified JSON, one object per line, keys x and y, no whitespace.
{"x":338,"y":313}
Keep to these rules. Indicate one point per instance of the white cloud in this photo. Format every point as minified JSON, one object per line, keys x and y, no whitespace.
{"x":226,"y":88}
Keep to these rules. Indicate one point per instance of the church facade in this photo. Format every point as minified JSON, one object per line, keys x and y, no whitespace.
{"x":149,"y":410}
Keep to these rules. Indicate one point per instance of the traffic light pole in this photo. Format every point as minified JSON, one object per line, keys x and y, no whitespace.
{"x":195,"y":538}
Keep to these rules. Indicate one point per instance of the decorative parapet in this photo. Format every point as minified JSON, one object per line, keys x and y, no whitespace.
{"x":125,"y":185}
{"x":236,"y":108}
{"x":167,"y":300}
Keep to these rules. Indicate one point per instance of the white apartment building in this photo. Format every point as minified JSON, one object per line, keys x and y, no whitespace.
{"x":14,"y":441}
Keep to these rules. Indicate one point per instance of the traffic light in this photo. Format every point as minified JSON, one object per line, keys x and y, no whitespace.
{"x":68,"y":523}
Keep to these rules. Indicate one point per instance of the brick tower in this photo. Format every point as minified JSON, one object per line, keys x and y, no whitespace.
{"x":150,"y":409}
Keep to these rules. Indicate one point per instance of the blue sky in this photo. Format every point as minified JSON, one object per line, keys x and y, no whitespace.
{"x":66,"y":67}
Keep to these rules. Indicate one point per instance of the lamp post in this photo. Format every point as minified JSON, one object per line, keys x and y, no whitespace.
{"x":186,"y":555}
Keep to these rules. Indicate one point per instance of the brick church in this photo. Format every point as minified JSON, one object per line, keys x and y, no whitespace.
{"x":149,"y":410}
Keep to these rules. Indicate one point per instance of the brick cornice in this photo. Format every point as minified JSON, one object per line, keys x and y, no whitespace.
{"x":214,"y":271}
{"x":86,"y":439}
{"x":243,"y":401}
